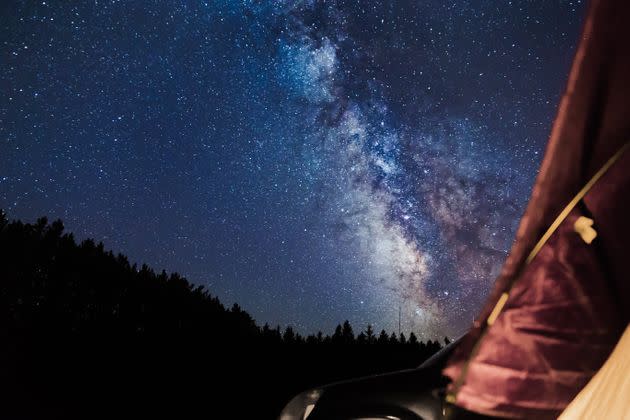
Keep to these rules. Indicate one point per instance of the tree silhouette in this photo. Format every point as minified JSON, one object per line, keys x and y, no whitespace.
{"x":369,"y":334}
{"x":347,"y":335}
{"x":95,"y":323}
{"x":337,"y":337}
{"x":289,"y":335}
{"x":383,"y":338}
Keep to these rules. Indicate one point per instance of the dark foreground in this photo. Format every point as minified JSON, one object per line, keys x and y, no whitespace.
{"x":85,"y":334}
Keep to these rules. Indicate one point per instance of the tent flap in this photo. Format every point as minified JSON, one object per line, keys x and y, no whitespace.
{"x":570,"y":305}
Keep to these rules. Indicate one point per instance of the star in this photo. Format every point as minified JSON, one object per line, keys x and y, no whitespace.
{"x":294,"y":157}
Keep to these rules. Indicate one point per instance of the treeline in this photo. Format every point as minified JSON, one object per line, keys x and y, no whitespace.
{"x":88,"y":334}
{"x":344,"y":335}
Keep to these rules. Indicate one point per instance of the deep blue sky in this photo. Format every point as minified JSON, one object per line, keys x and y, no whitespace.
{"x":314,"y":161}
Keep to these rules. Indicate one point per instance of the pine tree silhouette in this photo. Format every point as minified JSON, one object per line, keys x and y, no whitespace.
{"x":369,"y":334}
{"x":347,"y":335}
{"x":383,"y":338}
{"x":80,"y":322}
{"x":337,"y":337}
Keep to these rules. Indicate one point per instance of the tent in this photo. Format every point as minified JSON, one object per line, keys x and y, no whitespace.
{"x":605,"y":396}
{"x":562,"y":300}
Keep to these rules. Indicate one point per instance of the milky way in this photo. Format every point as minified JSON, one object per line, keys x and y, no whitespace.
{"x":313,"y":160}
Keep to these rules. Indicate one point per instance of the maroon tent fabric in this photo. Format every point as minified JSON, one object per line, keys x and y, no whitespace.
{"x":570,"y":305}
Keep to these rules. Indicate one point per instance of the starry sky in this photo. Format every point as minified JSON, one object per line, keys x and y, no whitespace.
{"x":313,"y":160}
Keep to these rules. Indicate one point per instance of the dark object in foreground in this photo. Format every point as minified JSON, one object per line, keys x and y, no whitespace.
{"x":412,"y":394}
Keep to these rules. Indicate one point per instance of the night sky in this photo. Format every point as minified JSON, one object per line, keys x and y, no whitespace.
{"x":314,"y":161}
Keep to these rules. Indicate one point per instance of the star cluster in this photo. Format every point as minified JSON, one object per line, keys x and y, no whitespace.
{"x":313,"y":160}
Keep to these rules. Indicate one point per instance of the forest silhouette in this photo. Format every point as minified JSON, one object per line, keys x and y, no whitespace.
{"x":87,"y":334}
